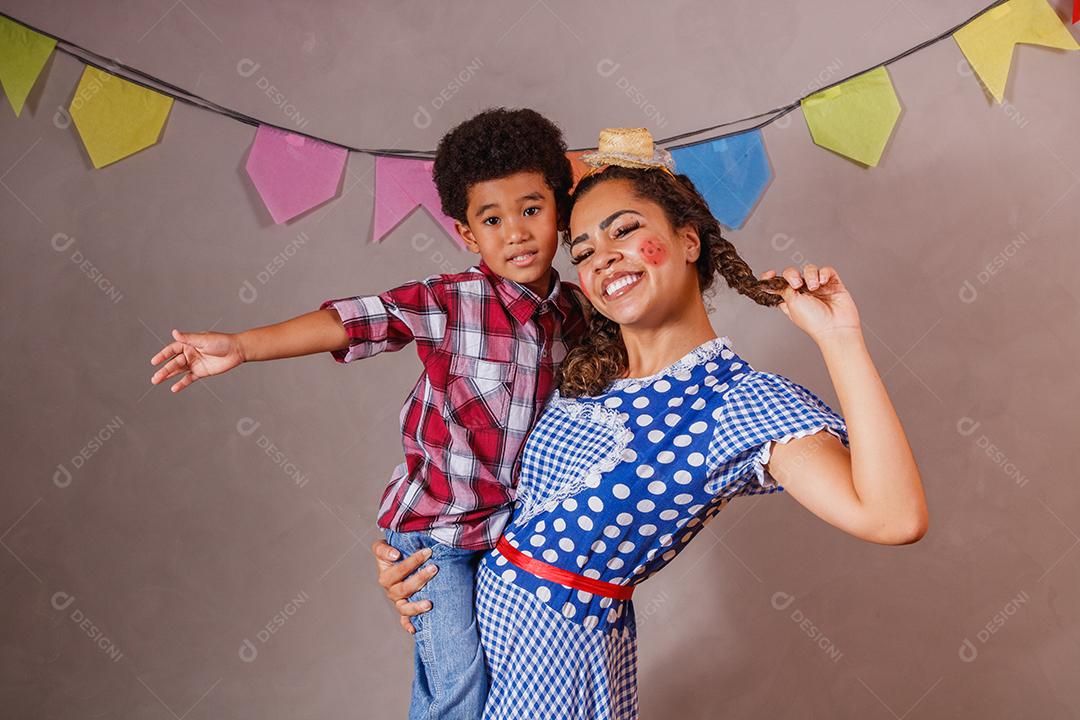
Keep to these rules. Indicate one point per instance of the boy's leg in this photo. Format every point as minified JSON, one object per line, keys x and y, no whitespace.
{"x":450,"y":679}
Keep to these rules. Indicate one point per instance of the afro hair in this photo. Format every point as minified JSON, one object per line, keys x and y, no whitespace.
{"x":495,"y":144}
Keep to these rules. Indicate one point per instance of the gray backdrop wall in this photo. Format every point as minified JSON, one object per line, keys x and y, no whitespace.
{"x":205,"y":555}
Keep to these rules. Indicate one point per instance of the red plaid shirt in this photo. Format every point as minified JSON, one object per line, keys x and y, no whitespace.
{"x":490,"y":349}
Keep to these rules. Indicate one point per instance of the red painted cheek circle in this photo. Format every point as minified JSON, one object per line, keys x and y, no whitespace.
{"x":652,"y":252}
{"x":581,"y":283}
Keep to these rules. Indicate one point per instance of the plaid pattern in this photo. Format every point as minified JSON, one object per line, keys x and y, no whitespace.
{"x":543,"y":666}
{"x":490,"y":349}
{"x":613,"y":488}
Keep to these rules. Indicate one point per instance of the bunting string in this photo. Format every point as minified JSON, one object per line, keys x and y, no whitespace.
{"x":119,"y":110}
{"x":152,"y":82}
{"x":782,"y":111}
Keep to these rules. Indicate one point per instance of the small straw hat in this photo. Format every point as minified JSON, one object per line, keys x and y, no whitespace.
{"x":628,"y":147}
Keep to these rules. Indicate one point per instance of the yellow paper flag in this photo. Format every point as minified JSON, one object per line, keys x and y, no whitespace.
{"x":988,"y":41}
{"x":23,"y":53}
{"x":116,"y":118}
{"x":856,"y":117}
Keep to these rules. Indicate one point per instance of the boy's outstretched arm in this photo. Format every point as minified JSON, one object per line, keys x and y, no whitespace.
{"x":350,"y":328}
{"x":200,"y":355}
{"x":314,"y":332}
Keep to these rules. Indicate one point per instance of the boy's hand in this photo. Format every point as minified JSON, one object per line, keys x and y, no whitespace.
{"x":399,"y":580}
{"x":199,"y":355}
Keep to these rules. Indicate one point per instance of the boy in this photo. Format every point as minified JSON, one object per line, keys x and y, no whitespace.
{"x":490,"y":339}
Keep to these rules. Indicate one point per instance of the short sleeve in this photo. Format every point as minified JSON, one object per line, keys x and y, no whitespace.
{"x":763,"y":409}
{"x":391,"y":320}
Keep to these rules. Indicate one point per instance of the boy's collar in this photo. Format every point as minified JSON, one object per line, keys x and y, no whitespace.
{"x":522,"y":302}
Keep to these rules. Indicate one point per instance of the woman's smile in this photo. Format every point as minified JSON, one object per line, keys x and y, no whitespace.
{"x":620,"y":284}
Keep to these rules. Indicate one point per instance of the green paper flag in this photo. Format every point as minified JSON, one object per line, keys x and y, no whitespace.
{"x":116,"y":118}
{"x":988,"y":41}
{"x":23,"y":53}
{"x":856,"y":117}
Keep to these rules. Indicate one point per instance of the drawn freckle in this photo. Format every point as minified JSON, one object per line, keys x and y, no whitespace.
{"x":652,"y":252}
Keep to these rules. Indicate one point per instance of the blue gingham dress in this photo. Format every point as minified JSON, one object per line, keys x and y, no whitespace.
{"x":613,"y":487}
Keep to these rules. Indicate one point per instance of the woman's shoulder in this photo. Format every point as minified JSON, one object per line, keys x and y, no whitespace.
{"x":765,"y":385}
{"x":712,"y":356}
{"x":769,"y":402}
{"x":713,"y":371}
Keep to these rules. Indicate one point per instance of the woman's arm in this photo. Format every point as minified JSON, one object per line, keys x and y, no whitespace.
{"x":875,"y":491}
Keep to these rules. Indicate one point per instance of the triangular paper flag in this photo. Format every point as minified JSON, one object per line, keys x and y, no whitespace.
{"x":856,"y":117}
{"x":730,"y":172}
{"x":23,"y":53}
{"x":116,"y":118}
{"x":293,"y":173}
{"x":988,"y":41}
{"x":579,"y":168}
{"x":402,"y":185}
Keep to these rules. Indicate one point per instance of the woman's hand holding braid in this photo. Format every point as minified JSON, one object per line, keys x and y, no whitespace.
{"x":817,"y":301}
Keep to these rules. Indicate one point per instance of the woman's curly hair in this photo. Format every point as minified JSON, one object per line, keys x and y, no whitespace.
{"x":494,"y":144}
{"x":601,"y":356}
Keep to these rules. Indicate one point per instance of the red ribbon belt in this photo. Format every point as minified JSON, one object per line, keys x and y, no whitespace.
{"x":541,"y":569}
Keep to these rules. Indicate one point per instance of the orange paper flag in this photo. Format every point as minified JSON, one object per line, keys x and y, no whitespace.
{"x":579,"y":168}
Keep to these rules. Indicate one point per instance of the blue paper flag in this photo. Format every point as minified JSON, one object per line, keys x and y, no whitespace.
{"x":730,"y":172}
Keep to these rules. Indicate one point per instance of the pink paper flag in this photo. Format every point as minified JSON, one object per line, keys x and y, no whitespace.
{"x":402,"y":185}
{"x":293,"y":173}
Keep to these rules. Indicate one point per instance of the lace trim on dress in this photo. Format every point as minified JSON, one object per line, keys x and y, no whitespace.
{"x":764,"y":478}
{"x":597,"y":414}
{"x":702,"y":353}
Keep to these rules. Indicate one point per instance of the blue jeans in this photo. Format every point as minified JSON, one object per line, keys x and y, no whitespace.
{"x":450,"y":677}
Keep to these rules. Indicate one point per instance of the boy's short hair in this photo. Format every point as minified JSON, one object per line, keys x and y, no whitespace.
{"x":494,"y":144}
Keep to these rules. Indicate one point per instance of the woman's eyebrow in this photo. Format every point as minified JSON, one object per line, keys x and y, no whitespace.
{"x":603,"y":226}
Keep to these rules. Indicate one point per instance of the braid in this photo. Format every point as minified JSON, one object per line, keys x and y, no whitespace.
{"x":739,"y":277}
{"x":601,"y":356}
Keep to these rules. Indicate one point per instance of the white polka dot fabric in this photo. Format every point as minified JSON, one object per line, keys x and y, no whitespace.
{"x":613,"y":487}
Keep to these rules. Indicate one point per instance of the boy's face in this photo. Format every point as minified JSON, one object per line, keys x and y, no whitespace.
{"x":513,"y":224}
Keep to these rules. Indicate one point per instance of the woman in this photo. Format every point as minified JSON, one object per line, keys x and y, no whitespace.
{"x":657,"y":425}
